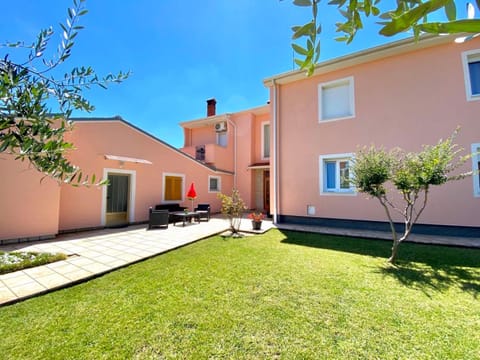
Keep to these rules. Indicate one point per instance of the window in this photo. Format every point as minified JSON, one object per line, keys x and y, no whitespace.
{"x":173,"y":187}
{"x":222,"y":139}
{"x":336,"y":100}
{"x":471,"y":69}
{"x":335,"y":174}
{"x":476,"y":169}
{"x":214,"y":184}
{"x":265,"y":140}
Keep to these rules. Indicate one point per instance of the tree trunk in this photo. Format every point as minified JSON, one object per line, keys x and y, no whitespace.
{"x":393,"y":257}
{"x":396,"y":242}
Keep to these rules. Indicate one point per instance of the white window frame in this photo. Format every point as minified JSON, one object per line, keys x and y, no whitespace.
{"x":164,"y":175}
{"x":467,"y":57}
{"x":132,"y":191}
{"x":323,"y":159}
{"x":219,"y":183}
{"x":265,"y":123}
{"x":475,"y":169}
{"x":351,"y":87}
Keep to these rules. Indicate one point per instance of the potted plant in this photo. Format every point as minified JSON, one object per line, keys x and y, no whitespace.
{"x":257,"y":218}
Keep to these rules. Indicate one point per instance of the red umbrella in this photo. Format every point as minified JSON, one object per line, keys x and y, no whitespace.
{"x":191,"y":193}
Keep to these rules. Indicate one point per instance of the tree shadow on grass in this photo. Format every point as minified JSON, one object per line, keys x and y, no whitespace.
{"x":374,"y":248}
{"x":425,"y":267}
{"x":426,"y":277}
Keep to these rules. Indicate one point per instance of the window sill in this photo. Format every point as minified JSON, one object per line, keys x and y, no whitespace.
{"x":338,"y":193}
{"x":321,"y":121}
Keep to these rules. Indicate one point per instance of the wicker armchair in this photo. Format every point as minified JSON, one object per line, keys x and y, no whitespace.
{"x":157,"y":218}
{"x":204,"y":211}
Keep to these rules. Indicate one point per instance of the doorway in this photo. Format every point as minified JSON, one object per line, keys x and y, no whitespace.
{"x":266,"y":191}
{"x":117,"y":204}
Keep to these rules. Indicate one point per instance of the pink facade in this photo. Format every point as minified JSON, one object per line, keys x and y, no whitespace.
{"x":29,"y":206}
{"x":102,"y":147}
{"x":400,"y":95}
{"x":233,"y":142}
{"x":287,"y":158}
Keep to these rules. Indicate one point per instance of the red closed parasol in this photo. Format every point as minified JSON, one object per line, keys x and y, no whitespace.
{"x":191,"y":193}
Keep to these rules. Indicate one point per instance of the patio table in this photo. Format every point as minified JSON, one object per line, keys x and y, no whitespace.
{"x":184,"y":216}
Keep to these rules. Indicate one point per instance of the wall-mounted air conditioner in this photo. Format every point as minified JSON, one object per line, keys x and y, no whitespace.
{"x":221,"y":126}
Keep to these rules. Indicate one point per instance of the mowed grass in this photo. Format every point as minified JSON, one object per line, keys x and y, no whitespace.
{"x":282,"y":295}
{"x":13,"y":261}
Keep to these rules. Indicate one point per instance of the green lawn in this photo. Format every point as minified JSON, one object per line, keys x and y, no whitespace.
{"x":13,"y":261}
{"x":280,"y":295}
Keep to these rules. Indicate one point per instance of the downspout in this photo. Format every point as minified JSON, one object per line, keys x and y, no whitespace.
{"x":276,"y":196}
{"x":234,"y":151}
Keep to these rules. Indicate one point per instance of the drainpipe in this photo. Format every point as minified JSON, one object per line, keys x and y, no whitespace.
{"x":276,"y":196}
{"x":234,"y":151}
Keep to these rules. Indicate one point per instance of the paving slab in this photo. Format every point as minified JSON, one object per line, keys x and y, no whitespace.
{"x":97,"y":252}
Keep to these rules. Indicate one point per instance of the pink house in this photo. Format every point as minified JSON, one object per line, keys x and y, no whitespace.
{"x":402,"y":94}
{"x":290,"y":158}
{"x":142,"y":170}
{"x":237,"y":142}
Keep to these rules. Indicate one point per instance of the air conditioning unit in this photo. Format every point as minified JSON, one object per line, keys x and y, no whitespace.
{"x":221,"y":126}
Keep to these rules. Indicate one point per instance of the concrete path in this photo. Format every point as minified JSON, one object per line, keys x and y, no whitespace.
{"x":95,"y":253}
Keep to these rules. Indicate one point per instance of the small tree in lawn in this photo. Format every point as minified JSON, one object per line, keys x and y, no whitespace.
{"x":233,"y":208}
{"x":411,"y":174}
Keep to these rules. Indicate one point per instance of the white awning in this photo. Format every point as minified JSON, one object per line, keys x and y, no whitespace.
{"x":127,"y":159}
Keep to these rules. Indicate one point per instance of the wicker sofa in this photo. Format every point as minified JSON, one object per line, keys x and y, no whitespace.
{"x":170,"y":208}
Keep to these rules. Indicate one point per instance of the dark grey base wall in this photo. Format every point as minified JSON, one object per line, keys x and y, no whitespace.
{"x":425,"y":229}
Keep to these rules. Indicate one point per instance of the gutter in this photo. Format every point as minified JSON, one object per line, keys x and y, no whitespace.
{"x":276,"y":195}
{"x":234,"y":151}
{"x":363,"y":56}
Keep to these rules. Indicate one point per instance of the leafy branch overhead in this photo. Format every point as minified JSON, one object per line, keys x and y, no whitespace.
{"x":28,"y":130}
{"x":409,"y":15}
{"x":310,"y":31}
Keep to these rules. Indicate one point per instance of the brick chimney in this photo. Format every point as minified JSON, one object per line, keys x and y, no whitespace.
{"x":211,"y":107}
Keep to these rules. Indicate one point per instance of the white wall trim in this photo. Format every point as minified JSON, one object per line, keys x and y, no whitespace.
{"x":164,"y":184}
{"x":262,"y":143}
{"x":351,"y":88}
{"x":321,"y":160}
{"x":466,"y":57}
{"x":219,"y":182}
{"x":475,"y":176}
{"x":132,"y":192}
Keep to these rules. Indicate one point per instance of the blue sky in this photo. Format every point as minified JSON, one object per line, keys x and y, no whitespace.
{"x":180,"y":53}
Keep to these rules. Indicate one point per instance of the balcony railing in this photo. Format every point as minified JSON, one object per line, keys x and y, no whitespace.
{"x":213,"y":154}
{"x":200,"y":152}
